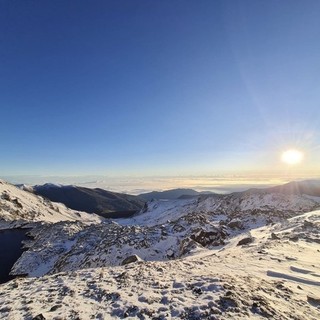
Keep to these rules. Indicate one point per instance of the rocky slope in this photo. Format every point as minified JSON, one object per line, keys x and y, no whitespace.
{"x":276,"y":276}
{"x":164,"y":230}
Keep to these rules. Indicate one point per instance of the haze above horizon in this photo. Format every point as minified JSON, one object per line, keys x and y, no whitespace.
{"x":159,"y":88}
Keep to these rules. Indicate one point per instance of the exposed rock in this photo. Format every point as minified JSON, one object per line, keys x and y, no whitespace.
{"x":235,"y":224}
{"x":294,"y":238}
{"x":17,"y":203}
{"x":130,"y":259}
{"x":227,"y":302}
{"x":245,"y":241}
{"x":206,"y":238}
{"x":315,"y":301}
{"x":39,"y":317}
{"x":54,"y":308}
{"x":170,"y":254}
{"x":6,"y":196}
{"x":308,"y":224}
{"x":274,"y":236}
{"x":197,"y":291}
{"x":187,"y":246}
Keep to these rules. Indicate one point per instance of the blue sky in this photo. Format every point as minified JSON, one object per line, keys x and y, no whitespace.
{"x":158,"y":87}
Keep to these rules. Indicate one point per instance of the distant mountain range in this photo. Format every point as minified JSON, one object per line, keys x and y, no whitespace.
{"x":172,"y":194}
{"x":104,"y":203}
{"x":308,"y":187}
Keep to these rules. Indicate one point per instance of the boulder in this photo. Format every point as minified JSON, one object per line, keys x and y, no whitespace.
{"x":274,"y":236}
{"x":245,"y":241}
{"x":187,"y":246}
{"x":131,"y":259}
{"x":170,"y":254}
{"x":39,"y":317}
{"x":209,"y":238}
{"x":235,"y":224}
{"x":313,"y":300}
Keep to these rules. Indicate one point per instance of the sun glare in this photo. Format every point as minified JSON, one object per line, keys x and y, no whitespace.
{"x":292,"y":156}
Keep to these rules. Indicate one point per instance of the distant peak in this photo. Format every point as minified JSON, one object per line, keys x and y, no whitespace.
{"x":49,"y":185}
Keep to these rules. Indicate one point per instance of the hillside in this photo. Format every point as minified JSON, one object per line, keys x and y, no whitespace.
{"x":18,"y":206}
{"x":307,"y":187}
{"x":105,"y":203}
{"x":171,"y":194}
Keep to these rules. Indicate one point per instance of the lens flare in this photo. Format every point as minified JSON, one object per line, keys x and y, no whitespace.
{"x":292,"y":156}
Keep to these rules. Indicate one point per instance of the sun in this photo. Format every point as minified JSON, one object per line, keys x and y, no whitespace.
{"x":292,"y":156}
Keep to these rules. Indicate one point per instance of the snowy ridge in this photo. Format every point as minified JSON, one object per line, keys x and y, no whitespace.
{"x":160,"y":211}
{"x":18,"y":207}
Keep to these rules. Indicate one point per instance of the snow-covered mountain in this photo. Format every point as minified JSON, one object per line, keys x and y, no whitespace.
{"x":248,"y":255}
{"x":18,"y":207}
{"x":164,"y":230}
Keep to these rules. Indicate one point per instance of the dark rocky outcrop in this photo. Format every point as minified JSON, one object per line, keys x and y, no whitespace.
{"x":209,"y":238}
{"x":130,"y":259}
{"x":245,"y":241}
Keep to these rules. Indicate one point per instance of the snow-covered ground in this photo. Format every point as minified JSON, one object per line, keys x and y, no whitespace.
{"x":164,"y":230}
{"x":276,"y":276}
{"x":239,"y":256}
